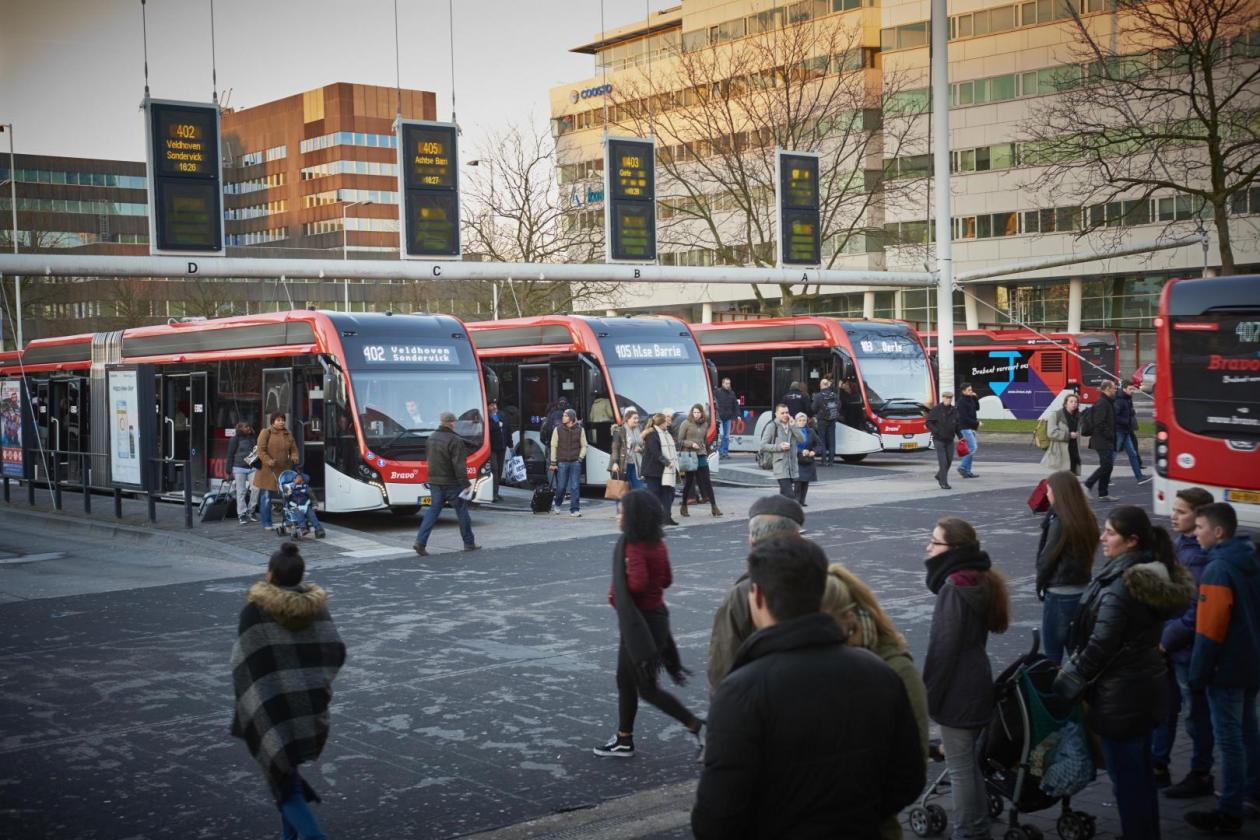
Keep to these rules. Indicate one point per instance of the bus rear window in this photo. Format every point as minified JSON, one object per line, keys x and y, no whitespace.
{"x":1216,"y":374}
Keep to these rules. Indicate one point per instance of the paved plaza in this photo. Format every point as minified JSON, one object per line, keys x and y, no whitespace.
{"x":475,"y":684}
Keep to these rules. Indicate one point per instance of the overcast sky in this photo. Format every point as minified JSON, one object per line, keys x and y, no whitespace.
{"x":72,"y":71}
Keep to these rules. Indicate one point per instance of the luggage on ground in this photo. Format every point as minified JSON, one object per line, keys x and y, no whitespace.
{"x":214,"y":506}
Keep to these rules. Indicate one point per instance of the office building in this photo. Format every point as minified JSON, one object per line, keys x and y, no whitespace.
{"x":1004,"y":57}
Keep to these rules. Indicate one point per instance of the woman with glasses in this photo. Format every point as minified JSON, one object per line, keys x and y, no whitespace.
{"x":971,"y":602}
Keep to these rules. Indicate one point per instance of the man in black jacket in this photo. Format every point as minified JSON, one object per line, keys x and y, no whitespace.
{"x":1102,"y":438}
{"x":808,"y":738}
{"x":1126,"y":430}
{"x":826,"y":407}
{"x":942,"y":422}
{"x":500,"y":441}
{"x":796,"y":399}
{"x":447,"y":458}
{"x":969,"y":423}
{"x":727,"y":410}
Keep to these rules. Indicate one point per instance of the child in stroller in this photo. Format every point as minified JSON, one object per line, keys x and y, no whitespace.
{"x":299,"y":506}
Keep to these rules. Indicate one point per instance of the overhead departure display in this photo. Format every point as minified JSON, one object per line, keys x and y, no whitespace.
{"x":799,"y":221}
{"x":185,"y":178}
{"x":428,"y":169}
{"x":630,"y":212}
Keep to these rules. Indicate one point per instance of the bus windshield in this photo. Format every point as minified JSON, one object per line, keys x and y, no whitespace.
{"x":892,"y":365}
{"x":1216,"y":374}
{"x":398,"y":410}
{"x":669,"y":389}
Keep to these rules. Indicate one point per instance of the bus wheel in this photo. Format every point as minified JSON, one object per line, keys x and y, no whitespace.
{"x":853,"y":459}
{"x":404,"y":510}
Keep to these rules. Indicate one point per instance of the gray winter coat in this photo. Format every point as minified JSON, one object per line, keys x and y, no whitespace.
{"x":1057,"y":456}
{"x":785,"y":465}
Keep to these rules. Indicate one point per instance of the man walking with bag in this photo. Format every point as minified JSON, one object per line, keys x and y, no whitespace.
{"x":1101,"y":423}
{"x":448,"y":481}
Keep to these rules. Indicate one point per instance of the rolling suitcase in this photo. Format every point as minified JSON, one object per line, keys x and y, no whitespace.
{"x":544,"y":497}
{"x":214,"y":506}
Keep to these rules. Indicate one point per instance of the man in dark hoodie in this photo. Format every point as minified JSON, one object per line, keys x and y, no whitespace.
{"x":942,"y":422}
{"x":808,"y":737}
{"x":1177,"y":642}
{"x":1102,"y":438}
{"x":448,"y":479}
{"x":969,"y":424}
{"x":286,"y":656}
{"x":1226,"y":661}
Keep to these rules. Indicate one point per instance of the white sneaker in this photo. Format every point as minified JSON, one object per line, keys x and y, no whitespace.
{"x":576,"y":514}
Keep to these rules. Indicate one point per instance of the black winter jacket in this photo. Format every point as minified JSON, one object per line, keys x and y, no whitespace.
{"x":942,"y":422}
{"x":1058,"y":568}
{"x":1125,"y":420}
{"x":826,"y":404}
{"x":808,"y":738}
{"x":1114,"y":643}
{"x":500,"y":434}
{"x":968,"y":407}
{"x":447,"y":458}
{"x":654,"y":460}
{"x":727,"y":404}
{"x":1102,"y":435}
{"x":796,"y":403}
{"x":956,"y":669}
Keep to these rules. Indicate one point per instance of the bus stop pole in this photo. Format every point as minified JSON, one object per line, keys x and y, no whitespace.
{"x":118,"y":503}
{"x":87,"y":489}
{"x":188,"y":510}
{"x":940,"y":161}
{"x":56,"y":479}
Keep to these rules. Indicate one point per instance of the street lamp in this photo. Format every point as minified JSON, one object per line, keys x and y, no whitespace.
{"x":17,"y":281}
{"x":344,"y":209}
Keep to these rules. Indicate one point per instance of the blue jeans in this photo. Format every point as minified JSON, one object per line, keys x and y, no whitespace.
{"x":296,"y":819}
{"x":827,"y":431}
{"x":568,"y":475}
{"x":1198,"y":722}
{"x":441,"y":494}
{"x":1102,"y":475}
{"x":971,"y":803}
{"x":969,"y":435}
{"x":724,"y":446}
{"x":1133,"y":781}
{"x":264,"y":507}
{"x":632,"y":476}
{"x":1057,"y":613}
{"x":1238,"y":742}
{"x":1125,"y":441}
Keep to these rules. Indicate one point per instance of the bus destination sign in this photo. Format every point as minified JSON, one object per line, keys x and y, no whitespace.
{"x":185,"y":181}
{"x":630,"y":164}
{"x":800,"y":242}
{"x":430,"y":157}
{"x":428,"y":162}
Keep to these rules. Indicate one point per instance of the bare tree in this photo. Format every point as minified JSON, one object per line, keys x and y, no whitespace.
{"x":719,"y":113}
{"x":1161,"y":103}
{"x":515,"y":214}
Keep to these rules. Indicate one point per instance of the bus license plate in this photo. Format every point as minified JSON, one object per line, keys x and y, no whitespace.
{"x":425,"y":501}
{"x":908,"y":445}
{"x":1250,"y":497}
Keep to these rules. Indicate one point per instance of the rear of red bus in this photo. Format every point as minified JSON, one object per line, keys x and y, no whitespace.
{"x":1207,"y":392}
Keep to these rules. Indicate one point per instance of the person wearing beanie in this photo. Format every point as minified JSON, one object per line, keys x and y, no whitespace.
{"x":768,"y":518}
{"x":286,"y":656}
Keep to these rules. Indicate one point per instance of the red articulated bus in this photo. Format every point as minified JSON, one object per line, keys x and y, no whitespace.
{"x":1023,"y":371}
{"x":362,"y":392}
{"x":600,"y":367}
{"x":1207,"y":392}
{"x":893,"y":385}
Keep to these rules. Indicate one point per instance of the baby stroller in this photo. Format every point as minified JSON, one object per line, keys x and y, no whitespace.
{"x":297,"y":507}
{"x":1028,"y":721}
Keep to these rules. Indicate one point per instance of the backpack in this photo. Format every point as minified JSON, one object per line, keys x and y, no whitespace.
{"x":1041,"y":436}
{"x":765,"y":460}
{"x":1086,"y":425}
{"x":831,"y":405}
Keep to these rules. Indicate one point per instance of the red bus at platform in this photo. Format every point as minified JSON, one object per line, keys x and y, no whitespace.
{"x":1207,"y":392}
{"x":892,"y":386}
{"x":361,"y":393}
